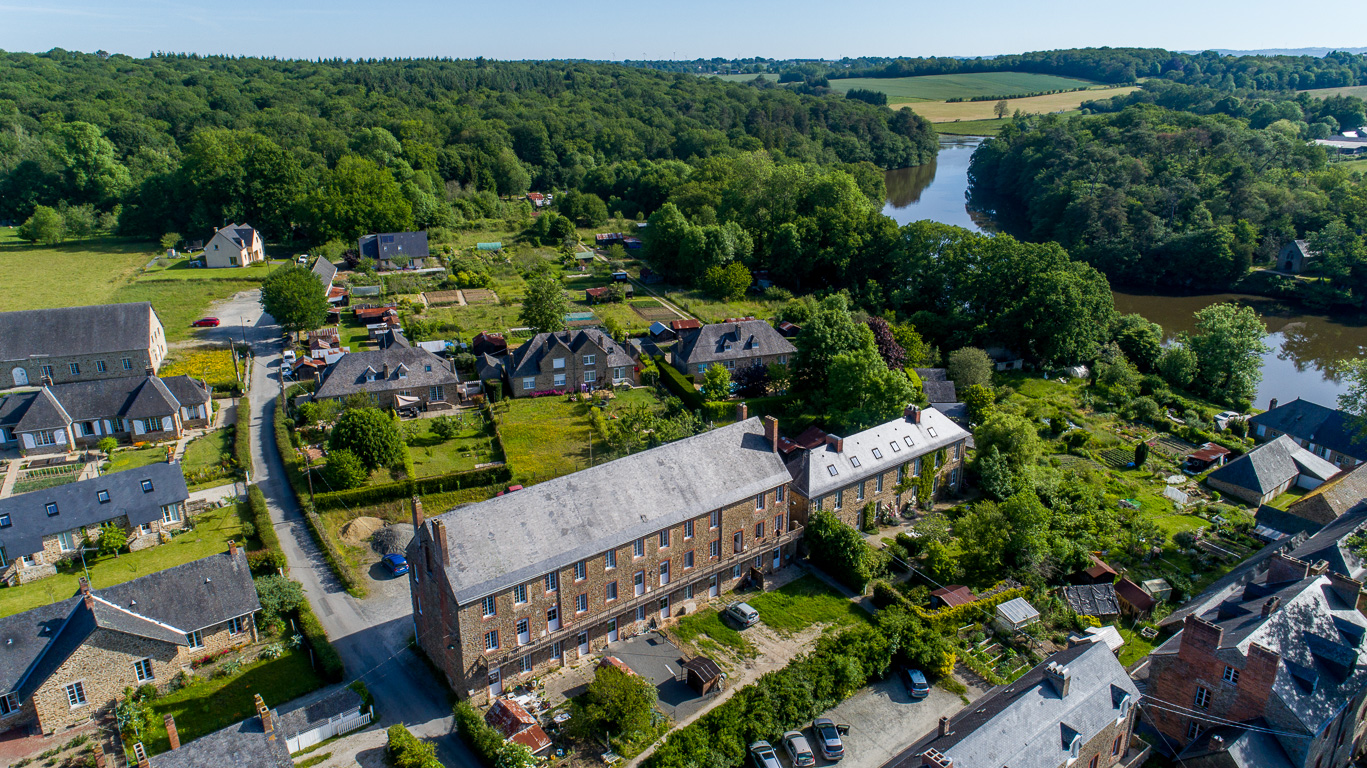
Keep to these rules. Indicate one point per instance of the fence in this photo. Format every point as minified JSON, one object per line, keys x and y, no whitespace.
{"x":335,"y":726}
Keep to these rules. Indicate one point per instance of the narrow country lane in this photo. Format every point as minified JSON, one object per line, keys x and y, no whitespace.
{"x":372,"y":635}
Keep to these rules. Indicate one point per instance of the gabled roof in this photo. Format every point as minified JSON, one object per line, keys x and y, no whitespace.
{"x":526,"y":359}
{"x":308,"y":712}
{"x":823,"y":469}
{"x":44,"y":412}
{"x":746,"y":339}
{"x":1273,"y":464}
{"x":58,"y":405}
{"x":520,"y":536}
{"x":394,"y":245}
{"x":325,"y":270}
{"x":242,"y":744}
{"x":1341,"y":494}
{"x":347,"y":376}
{"x":1134,"y":595}
{"x":188,"y":391}
{"x":1316,"y":424}
{"x":1330,"y":544}
{"x":78,"y":505}
{"x":66,"y":331}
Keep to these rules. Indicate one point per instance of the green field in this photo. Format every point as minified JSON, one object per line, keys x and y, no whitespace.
{"x":971,"y":127}
{"x":941,"y":87}
{"x":745,"y":78}
{"x":1359,"y":91}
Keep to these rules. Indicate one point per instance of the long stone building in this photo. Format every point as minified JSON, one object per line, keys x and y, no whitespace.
{"x":55,"y":346}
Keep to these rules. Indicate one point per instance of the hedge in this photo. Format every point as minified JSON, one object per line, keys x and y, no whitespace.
{"x":242,"y":436}
{"x":378,"y":494}
{"x":271,"y":555}
{"x":325,"y":658}
{"x":482,"y":739}
{"x":680,"y":386}
{"x":408,"y":751}
{"x":948,"y":618}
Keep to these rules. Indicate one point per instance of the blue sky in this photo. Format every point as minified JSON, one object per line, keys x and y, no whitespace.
{"x":595,"y":29}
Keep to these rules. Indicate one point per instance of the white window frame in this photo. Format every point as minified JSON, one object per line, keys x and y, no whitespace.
{"x":170,"y":513}
{"x":520,"y":594}
{"x":610,"y":559}
{"x":590,"y":359}
{"x":75,"y":694}
{"x":529,"y":383}
{"x":491,"y":640}
{"x":142,"y":669}
{"x":560,"y":379}
{"x":638,"y":548}
{"x":490,"y":606}
{"x":195,"y":639}
{"x":552,"y":582}
{"x":581,"y":603}
{"x":610,"y":592}
{"x":590,"y":376}
{"x":664,"y":539}
{"x":558,"y":364}
{"x":688,"y":529}
{"x":1202,"y":700}
{"x":66,"y":542}
{"x":714,"y":550}
{"x":237,"y":625}
{"x":9,"y":704}
{"x":715,"y":520}
{"x":1231,"y":675}
{"x":581,"y":570}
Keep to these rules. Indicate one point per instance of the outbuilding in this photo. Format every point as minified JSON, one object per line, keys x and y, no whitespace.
{"x":1016,"y":614}
{"x":704,"y":675}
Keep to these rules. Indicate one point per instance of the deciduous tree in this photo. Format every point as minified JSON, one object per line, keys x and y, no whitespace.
{"x":371,"y":435}
{"x":544,"y":306}
{"x":294,"y":297}
{"x":969,"y":366}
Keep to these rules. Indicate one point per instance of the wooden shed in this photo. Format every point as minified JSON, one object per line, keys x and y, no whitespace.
{"x":704,"y":676}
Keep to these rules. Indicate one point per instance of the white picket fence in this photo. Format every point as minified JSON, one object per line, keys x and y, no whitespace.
{"x":338,"y":725}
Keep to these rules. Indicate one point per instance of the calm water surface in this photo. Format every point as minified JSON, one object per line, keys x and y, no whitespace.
{"x":1305,"y":347}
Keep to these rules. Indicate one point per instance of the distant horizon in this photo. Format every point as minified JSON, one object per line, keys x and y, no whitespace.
{"x":593,"y":30}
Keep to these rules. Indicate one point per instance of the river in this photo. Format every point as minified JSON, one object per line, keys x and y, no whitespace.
{"x":1305,"y":347}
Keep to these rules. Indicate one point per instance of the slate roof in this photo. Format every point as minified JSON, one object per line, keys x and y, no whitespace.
{"x":164,"y":606}
{"x":308,"y":712}
{"x":242,"y":744}
{"x":526,"y":359}
{"x":187,"y":390}
{"x":1092,"y":599}
{"x":747,"y":339}
{"x":78,"y":505}
{"x":520,"y":536}
{"x":1343,"y":493}
{"x":325,"y":270}
{"x":811,"y":469}
{"x":1243,"y":748}
{"x":1330,"y":545}
{"x":1316,"y":424}
{"x":1273,"y":464}
{"x":37,"y":410}
{"x":936,"y":385}
{"x":1243,"y":573}
{"x":1273,"y":524}
{"x":422,"y":369}
{"x":75,"y":330}
{"x":1027,"y":724}
{"x":394,"y":245}
{"x":241,"y":234}
{"x":58,"y":405}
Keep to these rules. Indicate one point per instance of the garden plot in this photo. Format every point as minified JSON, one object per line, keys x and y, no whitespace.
{"x":653,"y":311}
{"x":1172,"y":446}
{"x":437,"y":298}
{"x":480,"y":296}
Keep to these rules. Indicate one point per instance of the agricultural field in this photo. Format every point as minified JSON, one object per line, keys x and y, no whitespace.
{"x":972,"y":127}
{"x":941,"y":87}
{"x":1359,"y":91}
{"x":944,"y":112}
{"x":771,"y":77}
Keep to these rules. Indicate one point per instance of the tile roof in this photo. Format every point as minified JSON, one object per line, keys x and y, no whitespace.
{"x":421,"y":368}
{"x":75,"y":330}
{"x":1092,"y":599}
{"x":1273,"y":464}
{"x":78,"y":505}
{"x":526,"y":359}
{"x":896,"y":442}
{"x":1316,"y":424}
{"x":520,"y":536}
{"x":745,"y":338}
{"x":242,"y":744}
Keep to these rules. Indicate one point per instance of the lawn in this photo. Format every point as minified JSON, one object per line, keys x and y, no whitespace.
{"x":1285,"y":500}
{"x":472,"y":445}
{"x":71,"y":274}
{"x":213,"y":530}
{"x":1359,"y":91}
{"x":547,"y":437}
{"x":799,"y":604}
{"x":132,"y":458}
{"x":941,"y":87}
{"x":710,"y":310}
{"x":707,"y":630}
{"x":208,"y":460}
{"x":1135,"y":647}
{"x":180,"y":302}
{"x":210,"y":705}
{"x":180,"y":269}
{"x":1359,"y":166}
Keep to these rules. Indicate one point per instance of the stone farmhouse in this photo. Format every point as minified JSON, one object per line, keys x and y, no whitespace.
{"x":1329,"y":434}
{"x":236,"y":245}
{"x":1296,"y":257}
{"x":1345,"y":492}
{"x":1077,"y":709}
{"x":42,"y":528}
{"x":1267,"y":471}
{"x":68,"y":662}
{"x":734,"y":344}
{"x":1265,"y":672}
{"x":56,"y":346}
{"x":597,"y":556}
{"x":64,"y":417}
{"x":847,"y":475}
{"x":580,"y":360}
{"x":397,"y":376}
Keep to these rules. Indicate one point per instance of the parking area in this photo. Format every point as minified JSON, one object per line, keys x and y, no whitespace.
{"x":884,"y":720}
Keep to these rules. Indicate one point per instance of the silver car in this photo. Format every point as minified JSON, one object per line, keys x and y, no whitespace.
{"x":742,"y":614}
{"x":799,"y":751}
{"x":827,"y":735}
{"x":762,"y":754}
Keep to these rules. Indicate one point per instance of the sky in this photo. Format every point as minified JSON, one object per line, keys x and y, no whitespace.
{"x":651,"y":29}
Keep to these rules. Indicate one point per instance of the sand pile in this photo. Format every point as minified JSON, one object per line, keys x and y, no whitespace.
{"x":358,"y":531}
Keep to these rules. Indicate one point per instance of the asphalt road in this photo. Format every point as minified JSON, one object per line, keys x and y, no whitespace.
{"x":372,"y":635}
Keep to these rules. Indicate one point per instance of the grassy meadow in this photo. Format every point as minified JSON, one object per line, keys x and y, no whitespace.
{"x":1359,"y":91}
{"x":941,"y":87}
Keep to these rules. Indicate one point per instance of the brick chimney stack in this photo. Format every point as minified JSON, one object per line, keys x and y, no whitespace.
{"x":1060,"y":677}
{"x":1272,"y":404}
{"x":836,"y":442}
{"x":932,"y":758}
{"x":417,"y":513}
{"x":912,"y":414}
{"x":1200,"y":639}
{"x":267,"y":720}
{"x":85,"y":586}
{"x":232,"y":549}
{"x":172,"y":735}
{"x":771,"y":432}
{"x":1217,"y":743}
{"x":1270,"y":605}
{"x":140,"y":754}
{"x":1348,"y":590}
{"x":944,"y":726}
{"x":1283,"y":567}
{"x":742,"y":411}
{"x":439,"y":538}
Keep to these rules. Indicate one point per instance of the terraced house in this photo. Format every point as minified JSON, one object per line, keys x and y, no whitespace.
{"x":64,"y":417}
{"x":585,"y":359}
{"x":55,"y":346}
{"x":849,"y":475}
{"x":42,"y":528}
{"x":68,"y":662}
{"x":534,"y":579}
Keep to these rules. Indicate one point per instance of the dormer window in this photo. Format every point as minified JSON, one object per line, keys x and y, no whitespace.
{"x":5,"y":521}
{"x":369,"y":374}
{"x":147,"y":486}
{"x":727,"y":346}
{"x":102,"y":496}
{"x":403,"y":372}
{"x":51,"y":508}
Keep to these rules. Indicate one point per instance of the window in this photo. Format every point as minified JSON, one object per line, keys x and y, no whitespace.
{"x":855,"y":461}
{"x":195,"y":639}
{"x":9,"y":703}
{"x":525,"y":665}
{"x":715,"y":549}
{"x":237,"y":625}
{"x":759,"y":530}
{"x":688,"y":592}
{"x":931,"y":432}
{"x":51,"y":507}
{"x":895,"y":447}
{"x":738,"y":541}
{"x":589,"y":359}
{"x":638,"y":548}
{"x":916,"y":468}
{"x":557,"y":650}
{"x":580,"y":571}
{"x":47,"y":371}
{"x":859,"y":492}
{"x":552,"y":581}
{"x":664,"y":573}
{"x":1193,"y":729}
{"x":638,"y":582}
{"x":735,"y":572}
{"x":151,"y":425}
{"x":702,"y":368}
{"x":65,"y":541}
{"x":590,"y":376}
{"x":147,"y":486}
{"x":491,"y":640}
{"x":553,"y":618}
{"x":1095,"y":760}
{"x":99,"y":366}
{"x":831,"y":468}
{"x":427,"y":369}
{"x":908,"y":441}
{"x":435,"y":393}
{"x":558,"y":364}
{"x":664,"y":538}
{"x":611,"y":591}
{"x":1231,"y":675}
{"x":619,"y":373}
{"x":529,"y":383}
{"x":759,"y":562}
{"x":688,"y":529}
{"x":778,"y":525}
{"x":143,"y":669}
{"x":610,"y":559}
{"x":778,"y":494}
{"x":5,"y":521}
{"x":520,"y":593}
{"x":45,"y":438}
{"x":559,"y":379}
{"x":75,"y":369}
{"x":524,"y":630}
{"x":102,"y":497}
{"x":877,"y":454}
{"x":688,"y":559}
{"x":170,"y":513}
{"x":839,"y":499}
{"x":641,"y":613}
{"x":75,"y":694}
{"x":128,"y":363}
{"x":878,"y":483}
{"x":1115,"y":747}
{"x":716,"y":518}
{"x":489,"y":608}
{"x":1202,"y":697}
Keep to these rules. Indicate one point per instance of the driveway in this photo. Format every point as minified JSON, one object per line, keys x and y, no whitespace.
{"x":884,"y":720}
{"x":371,"y":635}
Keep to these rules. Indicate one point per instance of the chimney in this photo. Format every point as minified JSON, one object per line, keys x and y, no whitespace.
{"x":140,"y":754}
{"x":267,"y":720}
{"x":1217,"y":743}
{"x":386,"y":371}
{"x":1270,"y":605}
{"x":1283,"y":567}
{"x":932,"y":758}
{"x":944,"y":726}
{"x":837,"y":442}
{"x":150,"y":371}
{"x":1060,"y":677}
{"x":89,"y":601}
{"x":1272,"y":404}
{"x":1200,"y":640}
{"x":232,"y":549}
{"x":85,"y":586}
{"x":912,"y":414}
{"x":439,"y":538}
{"x":172,"y":735}
{"x":417,"y":513}
{"x":771,"y":432}
{"x":1320,"y":568}
{"x":742,"y":412}
{"x":1348,"y":590}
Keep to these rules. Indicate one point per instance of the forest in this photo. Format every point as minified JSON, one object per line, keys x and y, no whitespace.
{"x":313,"y":151}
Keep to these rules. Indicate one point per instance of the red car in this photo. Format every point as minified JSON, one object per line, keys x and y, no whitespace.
{"x":205,"y":322}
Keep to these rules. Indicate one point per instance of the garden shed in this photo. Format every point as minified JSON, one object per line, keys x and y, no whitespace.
{"x":1016,"y":614}
{"x":704,"y":675}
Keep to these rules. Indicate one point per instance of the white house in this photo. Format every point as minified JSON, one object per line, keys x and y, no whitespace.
{"x":236,"y":245}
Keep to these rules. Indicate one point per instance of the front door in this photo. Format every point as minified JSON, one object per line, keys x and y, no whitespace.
{"x":612,"y":630}
{"x":524,"y":631}
{"x":664,"y":573}
{"x":20,"y":377}
{"x":583,"y":644}
{"x":553,"y":619}
{"x":640,"y":583}
{"x":713,"y":589}
{"x":664,"y":607}
{"x":778,"y":558}
{"x":495,"y":682}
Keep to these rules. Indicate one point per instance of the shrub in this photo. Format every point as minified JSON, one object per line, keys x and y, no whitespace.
{"x":680,"y":386}
{"x":112,"y":539}
{"x":261,"y":521}
{"x":408,"y":751}
{"x":371,"y":434}
{"x":278,"y":596}
{"x":842,"y":551}
{"x":107,"y":445}
{"x":344,"y":470}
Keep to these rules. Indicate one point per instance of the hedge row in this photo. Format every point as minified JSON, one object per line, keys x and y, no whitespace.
{"x":678,"y":384}
{"x":948,"y":618}
{"x":488,"y":744}
{"x":271,"y":557}
{"x":242,"y":436}
{"x":409,"y":751}
{"x":325,"y":658}
{"x":378,"y":494}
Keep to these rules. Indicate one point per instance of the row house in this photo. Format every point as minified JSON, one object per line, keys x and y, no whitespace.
{"x":1330,"y":434}
{"x":529,"y":581}
{"x":108,"y":341}
{"x":42,"y":528}
{"x":579,"y":360}
{"x":847,"y":475}
{"x":734,"y":344}
{"x":65,"y":417}
{"x":68,"y":663}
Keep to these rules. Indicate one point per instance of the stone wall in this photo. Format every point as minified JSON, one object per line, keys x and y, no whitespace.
{"x":104,"y":666}
{"x":138,"y":360}
{"x":159,"y":532}
{"x":573,"y":371}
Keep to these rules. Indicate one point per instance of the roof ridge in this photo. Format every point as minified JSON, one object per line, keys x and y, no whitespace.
{"x":134,"y":613}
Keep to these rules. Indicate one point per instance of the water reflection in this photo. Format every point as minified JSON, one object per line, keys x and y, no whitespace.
{"x":938,"y":189}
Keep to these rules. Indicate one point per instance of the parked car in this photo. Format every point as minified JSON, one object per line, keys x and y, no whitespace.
{"x":742,"y":614}
{"x":827,"y":735}
{"x":289,"y":356}
{"x":395,"y":564}
{"x":916,"y":683}
{"x":762,"y":754}
{"x":206,"y":322}
{"x":799,"y":751}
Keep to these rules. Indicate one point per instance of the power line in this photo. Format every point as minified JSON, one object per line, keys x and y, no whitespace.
{"x":1179,"y":710}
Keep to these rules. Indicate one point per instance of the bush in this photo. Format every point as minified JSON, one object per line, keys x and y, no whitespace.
{"x":842,"y":551}
{"x":242,"y":437}
{"x":261,"y":521}
{"x":371,"y":434}
{"x":278,"y":596}
{"x":107,"y":445}
{"x":408,"y":751}
{"x":325,"y":658}
{"x":344,"y":470}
